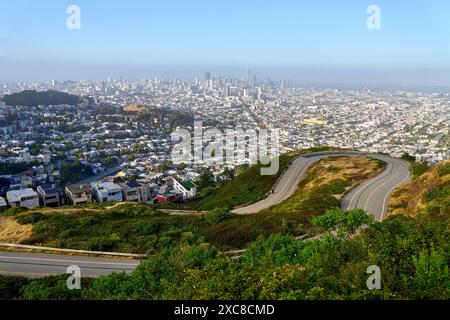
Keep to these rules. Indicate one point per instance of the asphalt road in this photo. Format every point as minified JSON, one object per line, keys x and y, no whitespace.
{"x":99,"y":176}
{"x":38,"y":265}
{"x":372,"y":195}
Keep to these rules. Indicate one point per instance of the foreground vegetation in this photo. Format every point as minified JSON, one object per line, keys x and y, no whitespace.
{"x":411,"y":247}
{"x":412,"y":253}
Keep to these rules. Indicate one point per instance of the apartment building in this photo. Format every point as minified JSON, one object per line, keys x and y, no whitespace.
{"x":48,"y":196}
{"x":131,"y":191}
{"x":27,"y":198}
{"x":187,"y":188}
{"x":136,"y":191}
{"x":107,"y":191}
{"x":79,"y":194}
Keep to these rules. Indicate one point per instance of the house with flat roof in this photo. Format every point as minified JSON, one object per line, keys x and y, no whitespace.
{"x":135,"y":191}
{"x":48,"y":196}
{"x":131,"y":191}
{"x":27,"y":198}
{"x":78,"y":194}
{"x":107,"y":191}
{"x":187,"y":188}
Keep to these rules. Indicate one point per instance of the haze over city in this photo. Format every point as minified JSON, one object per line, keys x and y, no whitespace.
{"x":314,"y":43}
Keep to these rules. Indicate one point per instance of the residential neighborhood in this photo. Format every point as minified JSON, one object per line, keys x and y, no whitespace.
{"x":115,"y":144}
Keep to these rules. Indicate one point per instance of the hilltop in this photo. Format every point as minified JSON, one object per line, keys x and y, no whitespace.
{"x":36,"y":98}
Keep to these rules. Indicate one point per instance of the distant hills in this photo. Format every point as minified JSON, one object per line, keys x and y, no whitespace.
{"x":37,"y":98}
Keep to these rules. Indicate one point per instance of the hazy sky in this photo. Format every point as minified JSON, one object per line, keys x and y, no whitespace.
{"x":313,"y":40}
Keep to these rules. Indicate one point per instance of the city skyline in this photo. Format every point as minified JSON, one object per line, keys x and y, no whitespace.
{"x":321,"y":42}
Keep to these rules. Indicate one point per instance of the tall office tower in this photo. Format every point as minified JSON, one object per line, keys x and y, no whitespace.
{"x":208,"y":76}
{"x":248,"y":75}
{"x":253,"y":81}
{"x":227,"y":91}
{"x":284,"y":84}
{"x":211,"y":84}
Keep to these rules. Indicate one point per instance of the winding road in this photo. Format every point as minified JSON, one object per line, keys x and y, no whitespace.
{"x":372,"y":195}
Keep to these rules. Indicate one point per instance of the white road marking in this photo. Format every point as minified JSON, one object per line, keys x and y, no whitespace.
{"x":69,"y":261}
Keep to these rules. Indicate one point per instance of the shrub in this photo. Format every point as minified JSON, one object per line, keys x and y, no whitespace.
{"x":101,"y":244}
{"x":33,"y":217}
{"x":217,"y":215}
{"x":147,"y":227}
{"x":444,"y":170}
{"x":345,"y":221}
{"x":14,"y":211}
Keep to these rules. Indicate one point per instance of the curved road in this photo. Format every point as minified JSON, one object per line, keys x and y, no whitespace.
{"x":372,"y":195}
{"x":39,"y":264}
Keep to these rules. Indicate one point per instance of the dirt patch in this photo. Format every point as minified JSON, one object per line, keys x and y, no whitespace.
{"x":13,"y":232}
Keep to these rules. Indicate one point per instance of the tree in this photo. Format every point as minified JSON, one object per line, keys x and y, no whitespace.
{"x":182,"y":166}
{"x":206,"y":180}
{"x":227,"y":175}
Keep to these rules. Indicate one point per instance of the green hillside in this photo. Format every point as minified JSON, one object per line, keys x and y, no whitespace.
{"x":412,"y":251}
{"x":35,"y":98}
{"x":248,"y":187}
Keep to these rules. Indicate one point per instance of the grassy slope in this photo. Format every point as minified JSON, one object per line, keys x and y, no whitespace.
{"x":249,"y":186}
{"x":326,"y":182}
{"x":137,"y":228}
{"x":412,"y":252}
{"x":429,"y":191}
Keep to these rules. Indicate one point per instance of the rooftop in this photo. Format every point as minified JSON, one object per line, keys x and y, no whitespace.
{"x":188,"y":185}
{"x":106,"y":185}
{"x":16,"y":195}
{"x":79,"y":188}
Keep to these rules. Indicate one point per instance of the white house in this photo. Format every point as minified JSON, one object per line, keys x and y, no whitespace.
{"x":27,"y":198}
{"x":187,"y":188}
{"x":107,"y":191}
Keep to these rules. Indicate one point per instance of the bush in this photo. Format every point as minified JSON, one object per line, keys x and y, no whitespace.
{"x":419,"y":169}
{"x":11,"y":287}
{"x":147,"y":227}
{"x":101,"y":244}
{"x":218,"y":215}
{"x":33,"y":217}
{"x":14,"y":211}
{"x":444,"y":170}
{"x":344,"y":221}
{"x":337,"y":186}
